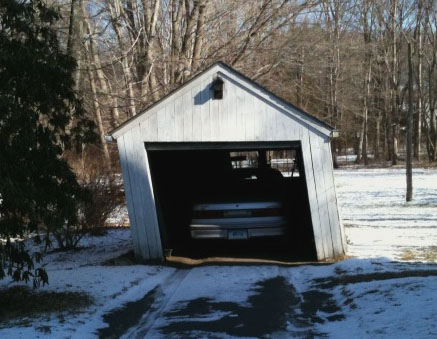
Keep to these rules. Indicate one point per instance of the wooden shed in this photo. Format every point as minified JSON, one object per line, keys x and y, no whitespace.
{"x":222,"y":109}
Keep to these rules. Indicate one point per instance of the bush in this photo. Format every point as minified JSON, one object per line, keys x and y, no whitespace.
{"x":104,"y":193}
{"x":41,"y":116}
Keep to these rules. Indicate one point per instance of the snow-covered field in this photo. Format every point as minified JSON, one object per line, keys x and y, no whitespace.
{"x":378,"y":220}
{"x":388,"y":289}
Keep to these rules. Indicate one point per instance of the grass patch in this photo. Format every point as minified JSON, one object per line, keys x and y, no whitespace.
{"x":331,"y":282}
{"x":431,"y":254}
{"x":22,"y":302}
{"x":408,"y":255}
{"x":423,"y":254}
{"x":125,"y":259}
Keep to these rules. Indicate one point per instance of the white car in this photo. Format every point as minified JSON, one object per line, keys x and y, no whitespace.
{"x":237,"y":220}
{"x":236,"y":202}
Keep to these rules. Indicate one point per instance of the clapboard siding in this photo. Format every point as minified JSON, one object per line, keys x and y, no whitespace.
{"x":247,"y":113}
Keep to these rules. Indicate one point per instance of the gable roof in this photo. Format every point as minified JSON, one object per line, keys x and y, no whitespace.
{"x":224,"y":69}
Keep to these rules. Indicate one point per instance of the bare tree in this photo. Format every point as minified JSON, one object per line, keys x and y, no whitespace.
{"x":343,"y":61}
{"x":419,"y":81}
{"x":367,"y":23}
{"x":409,"y":167}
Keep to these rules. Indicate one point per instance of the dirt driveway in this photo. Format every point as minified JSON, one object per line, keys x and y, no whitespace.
{"x":269,"y":306}
{"x":260,"y":302}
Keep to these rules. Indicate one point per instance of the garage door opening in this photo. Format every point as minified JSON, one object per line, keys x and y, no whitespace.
{"x":232,"y":200}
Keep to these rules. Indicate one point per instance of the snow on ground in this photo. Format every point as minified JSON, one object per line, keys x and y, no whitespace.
{"x":396,"y":308}
{"x":378,"y":220}
{"x":374,"y":294}
{"x":110,"y":286}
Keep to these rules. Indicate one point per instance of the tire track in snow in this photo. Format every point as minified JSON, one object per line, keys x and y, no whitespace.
{"x":164,"y":293}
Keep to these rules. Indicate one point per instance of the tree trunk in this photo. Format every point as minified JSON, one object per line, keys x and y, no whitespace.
{"x":409,"y":166}
{"x":98,"y":115}
{"x":365,"y":139}
{"x":148,"y":79}
{"x":359,"y":147}
{"x":70,"y":40}
{"x":97,"y":111}
{"x":78,"y":55}
{"x":418,"y":122}
{"x":176,"y":9}
{"x":114,"y":12}
{"x":95,"y":59}
{"x":431,"y":130}
{"x":394,"y":118}
{"x":366,"y":84}
{"x":75,"y":31}
{"x":377,"y":144}
{"x":300,"y":79}
{"x":200,"y":31}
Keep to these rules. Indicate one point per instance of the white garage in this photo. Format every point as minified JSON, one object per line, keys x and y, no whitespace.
{"x":222,"y":119}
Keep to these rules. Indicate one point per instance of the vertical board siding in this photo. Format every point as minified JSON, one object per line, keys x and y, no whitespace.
{"x":282,"y":124}
{"x":161,"y":125}
{"x":312,"y":195}
{"x":151,"y":214}
{"x":169,"y":118}
{"x":331,"y":197}
{"x":197,"y":114}
{"x":179,"y":119}
{"x":146,"y":199}
{"x":231,"y":130}
{"x":319,"y":179}
{"x":342,"y":233}
{"x":261,"y":128}
{"x":232,"y":80}
{"x":333,"y":225}
{"x":186,"y":110}
{"x":128,"y":193}
{"x":215,"y":117}
{"x":223,"y":113}
{"x":271,"y":123}
{"x":293,"y":128}
{"x":250,"y":110}
{"x":205,"y":100}
{"x":149,"y":128}
{"x":257,"y":118}
{"x":239,"y":116}
{"x":134,"y":177}
{"x":140,"y":198}
{"x":242,"y":115}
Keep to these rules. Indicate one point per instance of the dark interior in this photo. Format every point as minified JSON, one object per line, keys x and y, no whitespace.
{"x":181,"y":178}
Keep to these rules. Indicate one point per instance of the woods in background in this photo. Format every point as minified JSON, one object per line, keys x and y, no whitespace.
{"x":345,"y":62}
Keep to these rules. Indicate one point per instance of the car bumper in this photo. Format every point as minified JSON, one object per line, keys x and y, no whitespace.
{"x":224,"y":229}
